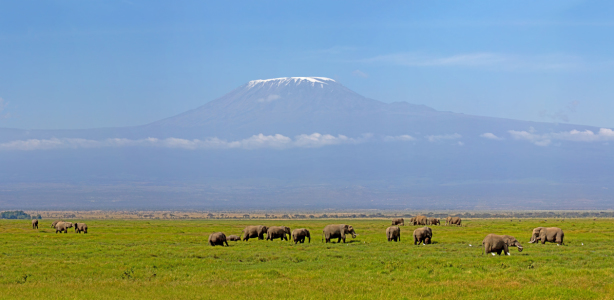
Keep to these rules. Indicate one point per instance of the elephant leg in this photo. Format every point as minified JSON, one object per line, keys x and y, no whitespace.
{"x":226,"y":243}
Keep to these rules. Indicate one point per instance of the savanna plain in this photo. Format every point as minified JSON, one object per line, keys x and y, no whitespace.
{"x":171,"y":259}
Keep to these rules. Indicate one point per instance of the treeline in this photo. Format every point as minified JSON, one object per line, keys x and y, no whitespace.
{"x":478,"y":215}
{"x":16,"y":214}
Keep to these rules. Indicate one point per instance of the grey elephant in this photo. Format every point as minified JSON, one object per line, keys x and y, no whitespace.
{"x":278,"y":232}
{"x":233,"y":238}
{"x":423,"y":235}
{"x":412,"y":221}
{"x":256,"y":231}
{"x":80,"y":227}
{"x":35,"y":224}
{"x":55,"y":223}
{"x":499,"y":243}
{"x":62,"y":227}
{"x":299,"y":235}
{"x":337,"y":231}
{"x":434,"y":221}
{"x":421,"y":220}
{"x":453,"y":221}
{"x":217,"y":238}
{"x":547,"y":234}
{"x":393,"y":233}
{"x":398,"y":221}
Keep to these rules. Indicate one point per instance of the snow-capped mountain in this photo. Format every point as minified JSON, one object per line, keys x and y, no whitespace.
{"x":297,"y":141}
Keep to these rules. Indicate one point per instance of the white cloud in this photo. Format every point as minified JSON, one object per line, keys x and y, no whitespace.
{"x":269,"y":98}
{"x":491,"y":136}
{"x":500,"y":61}
{"x":359,"y":73}
{"x":3,"y":104}
{"x":603,"y":135}
{"x":276,"y":141}
{"x":401,"y":138}
{"x":436,"y":138}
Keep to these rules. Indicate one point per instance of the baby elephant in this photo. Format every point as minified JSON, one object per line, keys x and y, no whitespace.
{"x":393,"y":233}
{"x":233,"y":238}
{"x":62,"y":227}
{"x":299,"y":235}
{"x":218,"y":238}
{"x":80,"y":227}
{"x":423,"y":235}
{"x":55,"y":223}
{"x":35,"y":224}
{"x":434,"y":221}
{"x":496,"y":243}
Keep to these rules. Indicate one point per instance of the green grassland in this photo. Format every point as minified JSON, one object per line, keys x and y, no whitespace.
{"x":170,"y":259}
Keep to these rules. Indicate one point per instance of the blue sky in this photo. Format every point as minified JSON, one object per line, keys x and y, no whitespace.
{"x":85,"y":64}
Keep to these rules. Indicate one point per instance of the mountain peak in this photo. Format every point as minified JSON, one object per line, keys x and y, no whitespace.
{"x":284,"y":81}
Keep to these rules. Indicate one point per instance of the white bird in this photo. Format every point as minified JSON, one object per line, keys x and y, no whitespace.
{"x":582,"y":244}
{"x":470,"y":245}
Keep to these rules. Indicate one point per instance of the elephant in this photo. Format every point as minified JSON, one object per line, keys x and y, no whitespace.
{"x":421,"y":220}
{"x":55,"y":222}
{"x":233,"y":238}
{"x":453,"y":221}
{"x":254,"y":231}
{"x":550,"y":234}
{"x":278,"y":232}
{"x":412,"y":221}
{"x":35,"y":224}
{"x":218,"y":238}
{"x":299,"y":235}
{"x":62,"y":227}
{"x":393,"y":233}
{"x":434,"y":221}
{"x":423,"y":235}
{"x":80,"y":227}
{"x":496,"y":243}
{"x":337,"y":231}
{"x":399,"y":221}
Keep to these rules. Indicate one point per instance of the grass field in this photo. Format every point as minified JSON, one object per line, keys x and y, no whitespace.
{"x":170,"y":259}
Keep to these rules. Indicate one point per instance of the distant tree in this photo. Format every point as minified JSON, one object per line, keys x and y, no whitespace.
{"x":285,"y":217}
{"x":311,"y":216}
{"x":246,"y":216}
{"x":209,"y":215}
{"x":17,"y":214}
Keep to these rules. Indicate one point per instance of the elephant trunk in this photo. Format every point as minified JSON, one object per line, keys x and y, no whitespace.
{"x":519,"y":248}
{"x":533,"y":238}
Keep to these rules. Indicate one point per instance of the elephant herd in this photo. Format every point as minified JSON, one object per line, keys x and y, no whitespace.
{"x":422,"y":220}
{"x":492,"y":243}
{"x":61,"y":226}
{"x":337,"y":231}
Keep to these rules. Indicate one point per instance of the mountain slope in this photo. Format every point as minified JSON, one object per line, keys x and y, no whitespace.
{"x":291,"y":142}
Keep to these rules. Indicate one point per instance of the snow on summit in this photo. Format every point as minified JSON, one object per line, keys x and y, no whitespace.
{"x":283,"y":81}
